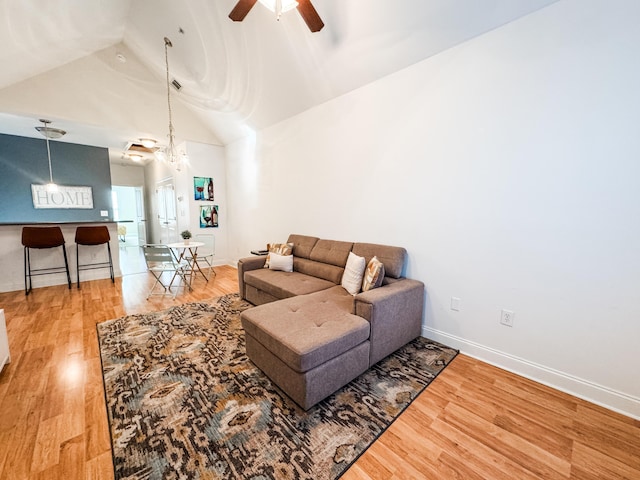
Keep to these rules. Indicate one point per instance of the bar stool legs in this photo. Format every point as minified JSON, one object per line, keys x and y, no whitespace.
{"x":91,"y":236}
{"x":40,"y":238}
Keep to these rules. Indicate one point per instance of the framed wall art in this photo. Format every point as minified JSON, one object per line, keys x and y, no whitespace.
{"x":208,"y":216}
{"x":203,"y":188}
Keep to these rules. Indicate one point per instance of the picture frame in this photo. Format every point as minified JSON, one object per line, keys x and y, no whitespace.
{"x":209,"y":216}
{"x":203,"y":189}
{"x":64,"y":197}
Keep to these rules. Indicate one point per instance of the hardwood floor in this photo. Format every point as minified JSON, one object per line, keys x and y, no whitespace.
{"x":473,"y":422}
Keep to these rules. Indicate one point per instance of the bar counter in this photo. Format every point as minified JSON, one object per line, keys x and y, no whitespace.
{"x":12,"y":256}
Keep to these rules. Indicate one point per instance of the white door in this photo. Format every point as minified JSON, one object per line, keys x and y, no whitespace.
{"x":167,"y":215}
{"x":140,"y":216}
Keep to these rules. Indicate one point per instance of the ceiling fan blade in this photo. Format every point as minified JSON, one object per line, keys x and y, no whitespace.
{"x":241,"y":9}
{"x":310,"y":15}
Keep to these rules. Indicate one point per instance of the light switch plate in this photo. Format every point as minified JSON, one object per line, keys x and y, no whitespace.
{"x":455,"y":304}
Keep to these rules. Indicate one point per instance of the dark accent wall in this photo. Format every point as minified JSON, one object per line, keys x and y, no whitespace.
{"x":23,"y":161}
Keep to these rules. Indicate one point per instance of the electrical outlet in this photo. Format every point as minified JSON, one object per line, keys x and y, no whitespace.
{"x":455,"y":304}
{"x":506,"y":318}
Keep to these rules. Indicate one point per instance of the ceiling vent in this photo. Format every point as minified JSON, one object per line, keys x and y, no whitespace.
{"x":176,"y":84}
{"x":139,"y":148}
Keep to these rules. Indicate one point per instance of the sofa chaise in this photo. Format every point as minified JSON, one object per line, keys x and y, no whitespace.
{"x":307,"y":333}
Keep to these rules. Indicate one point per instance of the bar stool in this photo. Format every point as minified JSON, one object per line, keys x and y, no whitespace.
{"x":42,"y":237}
{"x":90,"y":236}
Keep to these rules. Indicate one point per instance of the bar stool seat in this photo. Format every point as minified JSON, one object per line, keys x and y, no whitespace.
{"x":92,"y":236}
{"x":40,"y":238}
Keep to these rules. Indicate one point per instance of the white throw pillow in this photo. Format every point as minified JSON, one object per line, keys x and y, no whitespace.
{"x":353,"y":272}
{"x":281,"y":262}
{"x":280,"y":249}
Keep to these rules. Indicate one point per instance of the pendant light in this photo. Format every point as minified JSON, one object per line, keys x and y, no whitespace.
{"x":169,"y":154}
{"x":48,"y":133}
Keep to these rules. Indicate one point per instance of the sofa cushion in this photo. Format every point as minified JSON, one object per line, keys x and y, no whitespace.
{"x":302,"y":245}
{"x":284,"y":284}
{"x":336,"y":295}
{"x":318,"y":269}
{"x":305,"y":331}
{"x":393,"y":258}
{"x":332,"y":252}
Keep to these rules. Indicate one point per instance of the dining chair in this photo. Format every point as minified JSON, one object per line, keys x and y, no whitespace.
{"x":160,"y":261}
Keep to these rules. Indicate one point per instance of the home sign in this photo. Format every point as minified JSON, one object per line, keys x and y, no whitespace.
{"x":63,"y":197}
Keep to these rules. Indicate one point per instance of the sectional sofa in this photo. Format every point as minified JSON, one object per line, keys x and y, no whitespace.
{"x":310,"y":335}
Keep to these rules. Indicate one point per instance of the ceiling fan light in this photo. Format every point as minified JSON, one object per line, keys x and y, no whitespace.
{"x":285,"y":5}
{"x":148,"y":142}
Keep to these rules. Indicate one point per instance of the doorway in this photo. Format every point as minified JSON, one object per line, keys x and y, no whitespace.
{"x":167,"y":214}
{"x":129,"y":213}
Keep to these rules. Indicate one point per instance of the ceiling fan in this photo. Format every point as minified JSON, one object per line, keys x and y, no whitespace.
{"x":307,"y":11}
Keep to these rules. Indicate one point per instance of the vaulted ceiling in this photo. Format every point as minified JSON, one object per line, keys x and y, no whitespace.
{"x":63,"y":59}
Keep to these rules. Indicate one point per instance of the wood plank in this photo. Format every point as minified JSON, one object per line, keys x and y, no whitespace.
{"x":599,"y":465}
{"x":511,"y":446}
{"x":99,"y":468}
{"x":47,"y":447}
{"x":19,"y":442}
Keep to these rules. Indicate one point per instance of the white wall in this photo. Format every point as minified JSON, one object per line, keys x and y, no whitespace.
{"x":127,"y":175}
{"x":508,"y":167}
{"x":204,"y":161}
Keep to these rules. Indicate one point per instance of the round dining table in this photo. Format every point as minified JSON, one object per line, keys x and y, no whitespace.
{"x":192,"y":247}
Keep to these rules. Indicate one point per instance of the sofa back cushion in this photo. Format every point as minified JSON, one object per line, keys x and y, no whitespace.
{"x":332,"y":252}
{"x":326,"y":259}
{"x":302,"y":245}
{"x":393,"y":258}
{"x":318,"y":269}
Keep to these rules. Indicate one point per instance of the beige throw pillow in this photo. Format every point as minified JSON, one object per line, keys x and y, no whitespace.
{"x":353,"y":271}
{"x":283,"y":263}
{"x":373,"y":275}
{"x":280,"y":249}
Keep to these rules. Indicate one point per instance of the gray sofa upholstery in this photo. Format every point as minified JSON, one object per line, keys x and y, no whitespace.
{"x":308,"y":334}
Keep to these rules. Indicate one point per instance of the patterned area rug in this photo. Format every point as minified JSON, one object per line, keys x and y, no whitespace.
{"x":185,"y":402}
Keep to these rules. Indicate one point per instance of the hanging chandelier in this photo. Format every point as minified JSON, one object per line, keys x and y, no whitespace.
{"x":48,"y":133}
{"x":169,"y":154}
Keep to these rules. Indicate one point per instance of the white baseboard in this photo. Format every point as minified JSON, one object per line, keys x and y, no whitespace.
{"x":606,"y":397}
